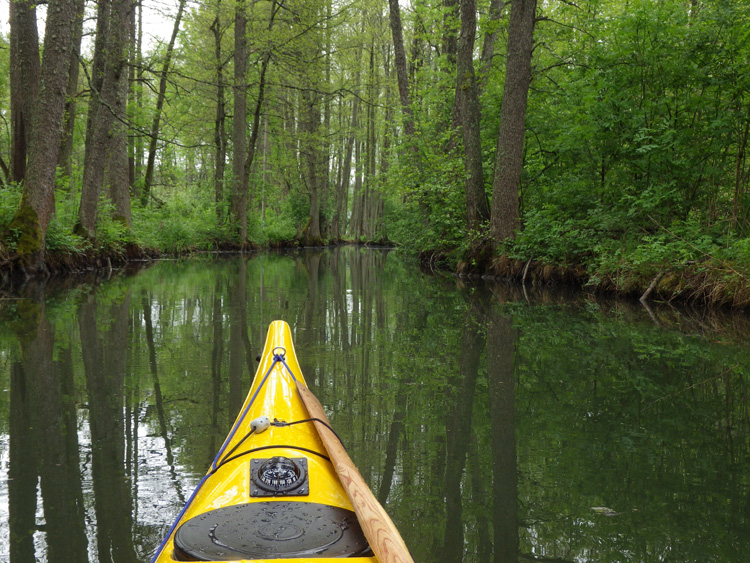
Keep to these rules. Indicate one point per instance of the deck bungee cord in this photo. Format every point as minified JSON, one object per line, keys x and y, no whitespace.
{"x":216,"y":464}
{"x":302,"y":499}
{"x":277,"y":358}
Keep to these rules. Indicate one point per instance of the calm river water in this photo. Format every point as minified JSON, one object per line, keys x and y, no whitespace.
{"x":494,"y":425}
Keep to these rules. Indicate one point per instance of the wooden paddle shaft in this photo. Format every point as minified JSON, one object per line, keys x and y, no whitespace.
{"x":384,"y":538}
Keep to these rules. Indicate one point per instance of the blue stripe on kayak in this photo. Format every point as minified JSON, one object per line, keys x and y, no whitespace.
{"x":276,"y":359}
{"x":179,"y":517}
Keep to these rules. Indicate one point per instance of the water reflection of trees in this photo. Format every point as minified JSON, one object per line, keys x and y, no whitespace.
{"x":44,"y":443}
{"x":103,"y":343}
{"x":473,"y":413}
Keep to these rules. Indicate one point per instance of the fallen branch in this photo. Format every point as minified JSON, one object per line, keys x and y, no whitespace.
{"x":652,"y":286}
{"x":526,"y":271}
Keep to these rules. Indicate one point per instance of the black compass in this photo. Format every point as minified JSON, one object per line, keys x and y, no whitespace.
{"x":279,"y":476}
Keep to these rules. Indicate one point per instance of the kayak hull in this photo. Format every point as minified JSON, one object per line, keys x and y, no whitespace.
{"x":271,"y":494}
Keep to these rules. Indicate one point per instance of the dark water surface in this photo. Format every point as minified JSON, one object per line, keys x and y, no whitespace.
{"x":495,"y":426}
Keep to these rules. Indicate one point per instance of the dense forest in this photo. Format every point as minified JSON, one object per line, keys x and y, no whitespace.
{"x":600,"y":141}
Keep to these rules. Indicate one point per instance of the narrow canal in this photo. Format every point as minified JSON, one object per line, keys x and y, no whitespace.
{"x":495,"y":425}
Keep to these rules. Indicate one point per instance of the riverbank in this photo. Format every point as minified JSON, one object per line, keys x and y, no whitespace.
{"x":709,"y":283}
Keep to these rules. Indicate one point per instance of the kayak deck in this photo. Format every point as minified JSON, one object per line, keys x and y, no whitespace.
{"x":272,"y":493}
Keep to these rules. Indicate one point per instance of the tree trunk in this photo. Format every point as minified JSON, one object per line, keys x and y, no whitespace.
{"x":739,"y":173}
{"x":239,"y":138}
{"x":488,"y":46}
{"x":467,"y":98}
{"x":64,"y":157}
{"x":24,"y":81}
{"x":149,"y":178}
{"x":220,"y":132}
{"x":244,"y":149}
{"x":105,"y":134}
{"x":311,"y":156}
{"x":401,"y":70}
{"x":509,"y":157}
{"x":342,"y":204}
{"x":264,"y":181}
{"x":118,"y":176}
{"x":326,"y":149}
{"x":37,"y":200}
{"x":355,"y":225}
{"x":342,"y":192}
{"x":135,"y":59}
{"x":137,"y":180}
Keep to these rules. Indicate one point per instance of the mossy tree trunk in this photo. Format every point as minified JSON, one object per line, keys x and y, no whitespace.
{"x":29,"y":226}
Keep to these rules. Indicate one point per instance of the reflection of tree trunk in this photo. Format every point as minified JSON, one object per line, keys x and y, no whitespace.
{"x":133,"y":414}
{"x":500,"y":348}
{"x":310,"y":320}
{"x":216,"y":355}
{"x":70,"y":428}
{"x":104,"y":364}
{"x":60,"y":484}
{"x":22,"y":470}
{"x":479,"y":491}
{"x":391,"y":450}
{"x":237,"y":314}
{"x":158,"y":399}
{"x":458,"y":430}
{"x":339,"y":303}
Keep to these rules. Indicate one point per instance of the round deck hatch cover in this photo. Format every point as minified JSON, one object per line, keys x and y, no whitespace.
{"x":271,"y":530}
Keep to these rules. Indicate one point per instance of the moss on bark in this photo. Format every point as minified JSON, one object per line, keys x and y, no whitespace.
{"x":25,"y":231}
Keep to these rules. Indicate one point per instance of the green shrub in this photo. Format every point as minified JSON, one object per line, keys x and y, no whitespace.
{"x":10,"y":196}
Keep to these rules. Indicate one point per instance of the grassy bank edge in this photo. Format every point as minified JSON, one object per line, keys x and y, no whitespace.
{"x":709,"y":283}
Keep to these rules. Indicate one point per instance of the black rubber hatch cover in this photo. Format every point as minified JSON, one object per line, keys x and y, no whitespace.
{"x":271,"y":530}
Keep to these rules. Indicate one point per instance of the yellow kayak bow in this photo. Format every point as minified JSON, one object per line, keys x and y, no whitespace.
{"x":282,"y":487}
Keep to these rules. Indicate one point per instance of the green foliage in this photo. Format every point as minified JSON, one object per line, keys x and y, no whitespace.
{"x":635,"y":151}
{"x":111,"y":234}
{"x":61,"y":239}
{"x":186,"y":221}
{"x":10,"y":196}
{"x":551,"y":237}
{"x":280,"y":228}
